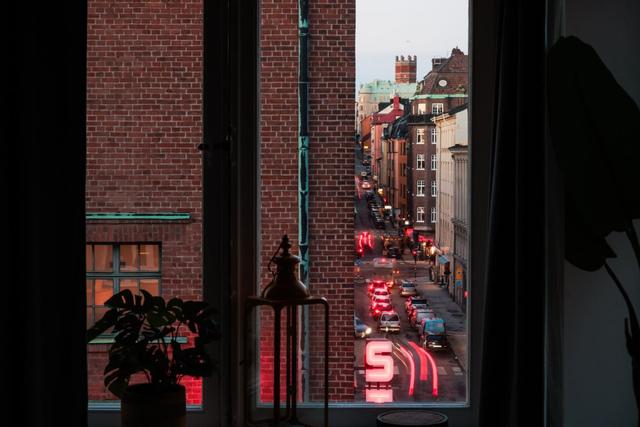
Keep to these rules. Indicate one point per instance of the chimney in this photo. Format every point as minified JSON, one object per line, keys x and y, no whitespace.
{"x":406,"y":69}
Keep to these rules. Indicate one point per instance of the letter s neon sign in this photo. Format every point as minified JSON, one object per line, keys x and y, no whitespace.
{"x":379,"y":362}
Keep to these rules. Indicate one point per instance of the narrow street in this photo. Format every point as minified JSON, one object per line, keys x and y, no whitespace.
{"x":450,"y":363}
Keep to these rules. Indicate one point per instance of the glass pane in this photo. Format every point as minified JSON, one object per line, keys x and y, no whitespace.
{"x":149,"y":257}
{"x":131,"y":284}
{"x":150,"y":285}
{"x":128,"y":257}
{"x":100,"y":311}
{"x":89,"y":258}
{"x":103,"y":257}
{"x":89,"y":292}
{"x":89,"y":316}
{"x":103,"y":290}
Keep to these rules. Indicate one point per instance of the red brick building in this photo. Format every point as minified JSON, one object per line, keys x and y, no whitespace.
{"x":331,"y":156}
{"x":144,"y":122}
{"x":445,"y":87}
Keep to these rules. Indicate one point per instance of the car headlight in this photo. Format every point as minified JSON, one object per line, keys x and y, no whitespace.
{"x":367,"y":331}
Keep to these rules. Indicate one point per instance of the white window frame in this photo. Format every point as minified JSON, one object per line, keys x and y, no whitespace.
{"x":420,"y":214}
{"x":422,"y":108}
{"x":420,"y":188}
{"x":437,"y":108}
{"x":420,"y":161}
{"x":434,"y":215}
{"x":420,"y":136}
{"x":434,"y":135}
{"x":434,"y":188}
{"x":434,"y":162}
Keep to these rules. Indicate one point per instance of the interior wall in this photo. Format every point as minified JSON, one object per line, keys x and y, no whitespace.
{"x":597,"y":369}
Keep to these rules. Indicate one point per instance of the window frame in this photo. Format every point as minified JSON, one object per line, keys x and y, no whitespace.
{"x":434,"y":215}
{"x":434,"y":162}
{"x":420,"y":159}
{"x":420,"y":188}
{"x":437,"y":108}
{"x":420,"y":136}
{"x":434,"y":135}
{"x":434,"y":188}
{"x":420,"y":214}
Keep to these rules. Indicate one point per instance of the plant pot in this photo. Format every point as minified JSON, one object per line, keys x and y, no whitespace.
{"x":149,"y":405}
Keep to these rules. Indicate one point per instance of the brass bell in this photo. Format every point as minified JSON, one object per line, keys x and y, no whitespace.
{"x":285,"y":284}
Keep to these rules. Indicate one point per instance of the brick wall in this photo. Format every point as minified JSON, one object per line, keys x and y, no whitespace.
{"x":332,"y":80}
{"x":144,"y":106}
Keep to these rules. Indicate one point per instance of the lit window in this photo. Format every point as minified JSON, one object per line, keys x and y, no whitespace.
{"x":434,"y":162}
{"x":420,"y":187}
{"x":420,"y":162}
{"x":434,"y":189}
{"x":420,"y":214}
{"x":420,"y":136}
{"x":422,"y":108}
{"x":437,"y":108}
{"x":112,"y":268}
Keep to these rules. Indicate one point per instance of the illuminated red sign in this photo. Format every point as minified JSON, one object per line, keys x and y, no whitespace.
{"x":378,"y":371}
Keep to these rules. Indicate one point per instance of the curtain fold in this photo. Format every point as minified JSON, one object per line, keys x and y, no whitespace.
{"x":43,"y":378}
{"x":512,"y":387}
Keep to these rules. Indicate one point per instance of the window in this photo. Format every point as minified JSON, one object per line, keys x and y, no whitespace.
{"x":437,"y":108}
{"x":420,"y":161}
{"x":420,"y":136}
{"x":112,"y":268}
{"x":422,"y":108}
{"x":434,"y":136}
{"x":434,"y":189}
{"x":434,"y":215}
{"x":420,"y":187}
{"x":419,"y":214}
{"x":434,"y":162}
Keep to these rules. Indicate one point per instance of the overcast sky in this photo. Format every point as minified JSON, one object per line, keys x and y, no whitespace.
{"x":425,"y":28}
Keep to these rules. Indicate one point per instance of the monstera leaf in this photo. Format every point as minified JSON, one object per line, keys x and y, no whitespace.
{"x":595,"y":131}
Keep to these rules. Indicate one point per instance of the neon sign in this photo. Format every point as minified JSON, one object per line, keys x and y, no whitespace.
{"x":378,"y":371}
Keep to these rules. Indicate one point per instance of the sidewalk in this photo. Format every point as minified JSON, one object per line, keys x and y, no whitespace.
{"x":448,"y":310}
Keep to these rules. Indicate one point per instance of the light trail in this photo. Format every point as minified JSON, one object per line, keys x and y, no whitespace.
{"x":434,"y":369}
{"x":412,"y":368}
{"x":423,"y":361}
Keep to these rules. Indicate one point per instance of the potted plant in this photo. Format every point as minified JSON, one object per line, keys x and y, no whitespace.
{"x":146,"y":331}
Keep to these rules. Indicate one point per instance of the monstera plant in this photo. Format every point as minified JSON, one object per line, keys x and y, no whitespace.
{"x":597,"y":153}
{"x":146,"y":341}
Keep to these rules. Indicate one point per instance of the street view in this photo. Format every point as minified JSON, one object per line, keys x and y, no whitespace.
{"x":411,"y":222}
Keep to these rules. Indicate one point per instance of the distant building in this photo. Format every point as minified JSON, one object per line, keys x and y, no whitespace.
{"x":396,"y":138}
{"x":443,"y":88}
{"x":451,"y":129}
{"x":460,"y":155}
{"x":379,"y":150}
{"x":371,"y":94}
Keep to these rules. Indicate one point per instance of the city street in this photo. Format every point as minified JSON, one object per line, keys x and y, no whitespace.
{"x":450,"y":363}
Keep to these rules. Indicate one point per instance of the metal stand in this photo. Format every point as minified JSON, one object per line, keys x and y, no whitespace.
{"x":291,"y":361}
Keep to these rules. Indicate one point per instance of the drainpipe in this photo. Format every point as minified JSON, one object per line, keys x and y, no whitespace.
{"x":303,"y":179}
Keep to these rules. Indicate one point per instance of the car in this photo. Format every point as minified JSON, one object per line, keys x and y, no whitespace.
{"x":377,"y":308}
{"x":433,"y":334}
{"x":366,"y":185}
{"x":383,"y":292}
{"x":419,"y":314}
{"x":380,"y":299}
{"x":408,"y":289}
{"x":409,"y":301}
{"x":360,"y":329}
{"x":393,"y":252}
{"x":389,"y":321}
{"x":363,"y":174}
{"x":365,"y":162}
{"x":376,"y":284}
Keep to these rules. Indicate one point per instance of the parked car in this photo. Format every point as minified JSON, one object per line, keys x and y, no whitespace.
{"x":360,"y":329}
{"x":408,"y":304}
{"x":433,"y":334}
{"x":408,"y":289}
{"x":389,"y":321}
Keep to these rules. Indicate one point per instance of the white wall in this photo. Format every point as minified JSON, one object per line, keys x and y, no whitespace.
{"x":597,"y":369}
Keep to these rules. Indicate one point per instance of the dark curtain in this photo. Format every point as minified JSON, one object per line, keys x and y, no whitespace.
{"x":43,"y":155}
{"x":512,"y":387}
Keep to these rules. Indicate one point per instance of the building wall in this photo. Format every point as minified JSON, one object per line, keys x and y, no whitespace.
{"x":427,"y":175}
{"x":144,"y":107}
{"x":332,"y":77}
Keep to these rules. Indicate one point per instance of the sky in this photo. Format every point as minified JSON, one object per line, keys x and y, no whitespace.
{"x":425,"y":28}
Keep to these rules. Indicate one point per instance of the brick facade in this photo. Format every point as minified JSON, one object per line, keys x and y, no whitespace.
{"x":332,"y":79}
{"x":144,"y":108}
